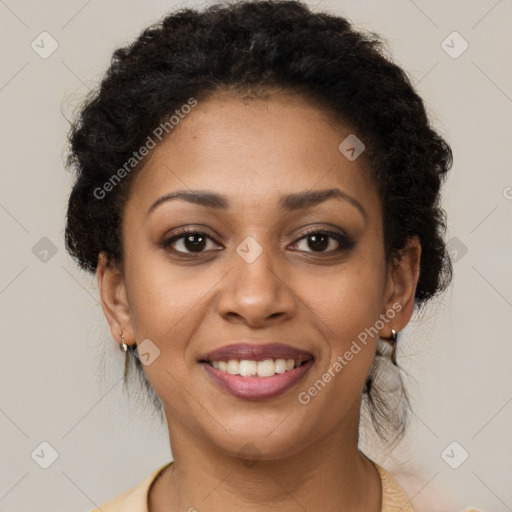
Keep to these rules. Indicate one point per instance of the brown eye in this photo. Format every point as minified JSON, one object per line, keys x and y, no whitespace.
{"x":318,"y":242}
{"x":188,"y":242}
{"x":324,"y":241}
{"x":194,"y":243}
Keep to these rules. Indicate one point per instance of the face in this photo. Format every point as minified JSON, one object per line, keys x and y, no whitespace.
{"x":273,"y":251}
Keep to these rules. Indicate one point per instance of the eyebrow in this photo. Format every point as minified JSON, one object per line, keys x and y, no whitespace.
{"x":289,"y":202}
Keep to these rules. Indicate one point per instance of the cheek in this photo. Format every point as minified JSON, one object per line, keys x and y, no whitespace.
{"x":349,"y":301}
{"x":161,"y":303}
{"x":343,"y":316}
{"x":346,"y":308}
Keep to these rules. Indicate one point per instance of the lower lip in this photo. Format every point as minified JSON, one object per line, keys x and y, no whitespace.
{"x":258,"y":388}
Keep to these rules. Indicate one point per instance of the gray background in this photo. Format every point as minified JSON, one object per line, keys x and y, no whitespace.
{"x":60,"y":372}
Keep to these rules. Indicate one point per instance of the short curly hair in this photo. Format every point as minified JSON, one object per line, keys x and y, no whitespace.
{"x":252,"y":47}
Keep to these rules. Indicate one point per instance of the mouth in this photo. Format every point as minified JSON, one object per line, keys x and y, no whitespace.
{"x":255,"y":372}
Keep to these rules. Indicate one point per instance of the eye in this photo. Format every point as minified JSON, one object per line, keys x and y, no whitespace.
{"x":323,"y":241}
{"x":188,"y":242}
{"x":196,"y":242}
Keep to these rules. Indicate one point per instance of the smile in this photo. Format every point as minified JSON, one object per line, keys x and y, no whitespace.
{"x":256,"y":372}
{"x":249,"y":368}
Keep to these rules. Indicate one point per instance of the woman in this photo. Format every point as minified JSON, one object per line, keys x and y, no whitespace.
{"x":257,"y":189}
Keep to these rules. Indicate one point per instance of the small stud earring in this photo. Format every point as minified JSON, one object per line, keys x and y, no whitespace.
{"x":123,"y":346}
{"x":392,"y":340}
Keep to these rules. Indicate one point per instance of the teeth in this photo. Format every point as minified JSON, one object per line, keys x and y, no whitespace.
{"x":280,"y":365}
{"x":266,"y":368}
{"x":233,"y":367}
{"x":249,"y":368}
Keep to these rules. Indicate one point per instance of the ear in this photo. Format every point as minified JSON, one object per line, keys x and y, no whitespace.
{"x":114,"y":300}
{"x":402,"y":278}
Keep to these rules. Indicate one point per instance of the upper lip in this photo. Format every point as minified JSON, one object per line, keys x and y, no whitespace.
{"x":256,"y":352}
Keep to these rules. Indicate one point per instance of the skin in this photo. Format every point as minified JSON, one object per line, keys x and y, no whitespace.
{"x":253,"y":152}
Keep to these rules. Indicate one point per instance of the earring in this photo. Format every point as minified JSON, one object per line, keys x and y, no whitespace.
{"x":389,"y":394}
{"x":387,"y":371}
{"x":123,"y":346}
{"x":389,"y":348}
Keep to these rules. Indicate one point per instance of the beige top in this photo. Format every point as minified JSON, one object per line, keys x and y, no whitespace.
{"x":135,"y":500}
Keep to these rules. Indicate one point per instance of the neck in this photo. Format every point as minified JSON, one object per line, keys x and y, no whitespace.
{"x":330,"y":474}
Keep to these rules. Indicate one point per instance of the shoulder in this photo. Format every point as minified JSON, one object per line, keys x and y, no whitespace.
{"x":133,"y":500}
{"x":393,"y":496}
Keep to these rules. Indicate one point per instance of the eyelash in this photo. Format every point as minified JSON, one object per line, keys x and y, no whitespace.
{"x":345,"y":243}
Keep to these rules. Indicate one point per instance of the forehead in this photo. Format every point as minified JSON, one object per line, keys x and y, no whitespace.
{"x":253,"y":149}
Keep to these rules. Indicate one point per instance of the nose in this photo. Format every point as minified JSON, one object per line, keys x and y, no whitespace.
{"x":255,"y":293}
